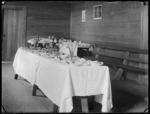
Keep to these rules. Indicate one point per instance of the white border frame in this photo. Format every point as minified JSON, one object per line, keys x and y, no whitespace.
{"x":94,"y":13}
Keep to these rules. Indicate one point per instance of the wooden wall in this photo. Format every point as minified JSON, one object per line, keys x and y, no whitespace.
{"x":120,"y":23}
{"x":47,"y":18}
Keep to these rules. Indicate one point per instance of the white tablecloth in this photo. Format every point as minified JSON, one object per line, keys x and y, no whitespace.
{"x":59,"y":82}
{"x":26,"y":65}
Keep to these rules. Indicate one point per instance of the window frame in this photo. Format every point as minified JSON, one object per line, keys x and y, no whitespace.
{"x":100,"y":12}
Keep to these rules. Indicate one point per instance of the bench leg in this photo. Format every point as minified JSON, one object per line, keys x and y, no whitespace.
{"x":35,"y":87}
{"x":16,"y":76}
{"x":120,"y":71}
{"x":124,"y":75}
{"x":84,"y":105}
{"x":55,"y":108}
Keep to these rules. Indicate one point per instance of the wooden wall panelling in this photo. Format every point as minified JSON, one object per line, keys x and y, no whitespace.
{"x":47,"y":18}
{"x":53,"y":18}
{"x":117,"y":24}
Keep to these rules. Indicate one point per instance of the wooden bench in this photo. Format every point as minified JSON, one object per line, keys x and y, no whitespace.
{"x":102,"y":53}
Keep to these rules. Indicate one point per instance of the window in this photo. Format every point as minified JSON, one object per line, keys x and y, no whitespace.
{"x":97,"y":13}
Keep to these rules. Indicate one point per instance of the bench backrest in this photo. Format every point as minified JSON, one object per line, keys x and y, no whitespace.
{"x":121,"y":48}
{"x":99,"y":50}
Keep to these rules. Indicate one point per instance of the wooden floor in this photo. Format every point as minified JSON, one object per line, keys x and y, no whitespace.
{"x":17,"y":96}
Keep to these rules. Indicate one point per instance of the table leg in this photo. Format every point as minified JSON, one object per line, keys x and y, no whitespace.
{"x":16,"y":76}
{"x":91,"y":102}
{"x":55,"y":108}
{"x":35,"y":87}
{"x":84,"y":105}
